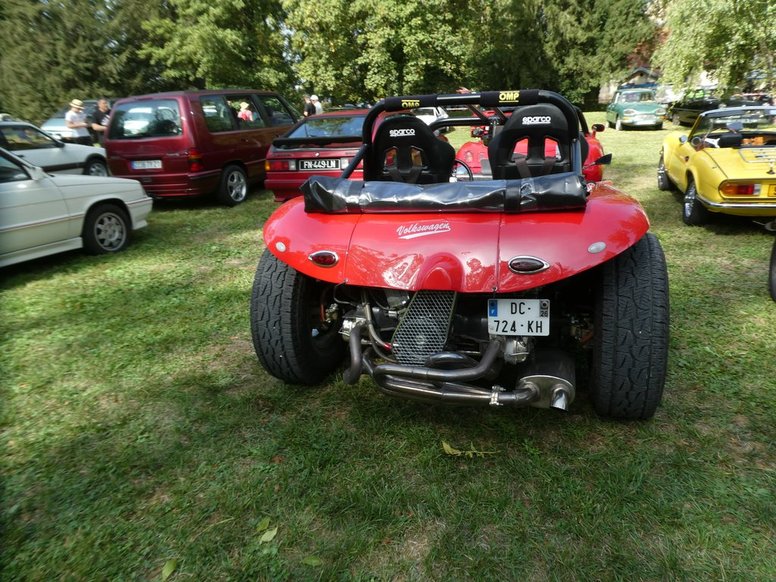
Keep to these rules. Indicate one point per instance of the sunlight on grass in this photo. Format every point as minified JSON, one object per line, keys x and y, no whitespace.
{"x":138,"y":428}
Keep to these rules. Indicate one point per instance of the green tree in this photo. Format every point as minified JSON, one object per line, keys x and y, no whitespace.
{"x":567,"y":46}
{"x":363,"y":50}
{"x":204,"y":44}
{"x":726,"y":38}
{"x":53,"y":52}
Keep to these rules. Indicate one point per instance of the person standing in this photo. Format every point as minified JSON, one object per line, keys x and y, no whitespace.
{"x":75,"y":119}
{"x":316,"y":103}
{"x":100,"y":120}
{"x":309,"y":108}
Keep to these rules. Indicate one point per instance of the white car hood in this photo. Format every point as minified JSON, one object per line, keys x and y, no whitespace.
{"x":104,"y":184}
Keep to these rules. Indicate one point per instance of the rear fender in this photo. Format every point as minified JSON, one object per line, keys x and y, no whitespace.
{"x":465,"y":252}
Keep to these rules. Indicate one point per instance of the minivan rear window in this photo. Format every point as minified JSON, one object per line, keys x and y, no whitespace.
{"x":141,"y":119}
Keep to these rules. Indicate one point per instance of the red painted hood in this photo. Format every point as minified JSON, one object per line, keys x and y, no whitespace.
{"x":466,"y":252}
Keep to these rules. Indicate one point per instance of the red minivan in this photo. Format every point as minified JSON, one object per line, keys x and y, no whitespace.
{"x":193,"y":143}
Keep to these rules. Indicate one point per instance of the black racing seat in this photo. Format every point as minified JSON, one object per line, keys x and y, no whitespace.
{"x":536,"y":124}
{"x":405,"y":149}
{"x":730,"y":140}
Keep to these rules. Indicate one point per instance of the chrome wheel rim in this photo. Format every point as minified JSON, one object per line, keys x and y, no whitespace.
{"x":98,"y":170}
{"x":237,"y":186}
{"x":689,"y":201}
{"x":110,"y":231}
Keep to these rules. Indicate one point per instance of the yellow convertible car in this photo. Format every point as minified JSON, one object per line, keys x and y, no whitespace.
{"x":727,"y":164}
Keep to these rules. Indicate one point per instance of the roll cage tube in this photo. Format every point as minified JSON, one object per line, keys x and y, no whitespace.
{"x":485,"y":99}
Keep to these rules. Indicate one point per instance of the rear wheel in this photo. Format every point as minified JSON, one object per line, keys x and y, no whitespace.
{"x":106,"y":229}
{"x":631,"y":333}
{"x":772,"y":273}
{"x":663,"y":181}
{"x":291,"y":336}
{"x":96,"y":167}
{"x":693,"y":212}
{"x":234,"y":186}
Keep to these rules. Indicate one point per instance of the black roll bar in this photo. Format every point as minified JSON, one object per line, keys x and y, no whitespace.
{"x":484,"y":99}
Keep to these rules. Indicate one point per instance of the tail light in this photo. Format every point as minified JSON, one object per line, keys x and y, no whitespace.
{"x":739,"y":189}
{"x":279,"y":165}
{"x":195,"y":161}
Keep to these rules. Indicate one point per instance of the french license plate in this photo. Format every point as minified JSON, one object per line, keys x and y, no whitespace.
{"x":146,"y":164}
{"x":319,"y":164}
{"x":519,"y":316}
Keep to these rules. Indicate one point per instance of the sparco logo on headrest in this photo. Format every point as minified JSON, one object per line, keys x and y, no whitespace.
{"x":401,"y":132}
{"x":537,"y":120}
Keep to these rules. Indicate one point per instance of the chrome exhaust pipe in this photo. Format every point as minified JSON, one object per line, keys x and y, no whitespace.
{"x":552,"y":375}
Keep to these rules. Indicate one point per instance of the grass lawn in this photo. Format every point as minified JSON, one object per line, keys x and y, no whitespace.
{"x":140,"y":437}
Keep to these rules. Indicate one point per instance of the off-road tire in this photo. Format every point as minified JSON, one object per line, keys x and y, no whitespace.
{"x":106,"y":229}
{"x":96,"y":167}
{"x":290,"y":339}
{"x":631,"y":333}
{"x":693,"y":212}
{"x":234,"y":186}
{"x":772,"y":273}
{"x":663,"y":181}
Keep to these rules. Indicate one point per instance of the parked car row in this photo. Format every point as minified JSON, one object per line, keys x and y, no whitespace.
{"x":193,"y":143}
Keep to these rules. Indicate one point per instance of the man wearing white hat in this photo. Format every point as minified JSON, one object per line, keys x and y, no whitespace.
{"x":75,"y":119}
{"x":318,"y":106}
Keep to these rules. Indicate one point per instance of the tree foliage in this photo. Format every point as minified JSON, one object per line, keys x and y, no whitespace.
{"x":727,"y":38}
{"x":361,"y":50}
{"x":570,"y":47}
{"x":203,"y":44}
{"x":53,"y":52}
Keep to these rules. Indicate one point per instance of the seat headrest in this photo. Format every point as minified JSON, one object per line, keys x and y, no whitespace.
{"x":545,"y":129}
{"x":537,"y":119}
{"x":730,"y":140}
{"x":406,"y":149}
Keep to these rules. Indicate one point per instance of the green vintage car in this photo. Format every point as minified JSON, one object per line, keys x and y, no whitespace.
{"x":635,"y":108}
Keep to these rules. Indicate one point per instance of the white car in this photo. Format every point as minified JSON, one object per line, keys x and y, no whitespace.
{"x":41,"y":149}
{"x":430,"y":114}
{"x":42,"y":214}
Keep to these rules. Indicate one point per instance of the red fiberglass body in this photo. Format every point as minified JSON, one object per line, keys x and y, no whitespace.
{"x":466,"y":252}
{"x":491,"y":290}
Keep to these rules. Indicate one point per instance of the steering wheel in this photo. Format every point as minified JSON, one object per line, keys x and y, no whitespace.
{"x":463,"y":164}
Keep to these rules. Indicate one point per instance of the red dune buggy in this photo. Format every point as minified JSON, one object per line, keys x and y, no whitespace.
{"x":494,"y":292}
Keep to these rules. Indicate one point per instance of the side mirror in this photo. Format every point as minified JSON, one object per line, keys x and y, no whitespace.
{"x":604,"y":160}
{"x":36,"y":173}
{"x":598,"y":127}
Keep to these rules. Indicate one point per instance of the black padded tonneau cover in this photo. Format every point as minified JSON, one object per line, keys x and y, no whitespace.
{"x":565,"y":191}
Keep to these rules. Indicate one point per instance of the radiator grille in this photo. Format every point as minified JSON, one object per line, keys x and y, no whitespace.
{"x":423,"y":329}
